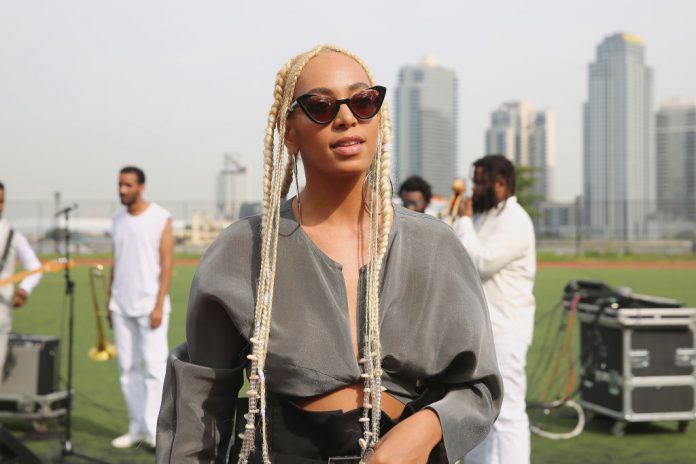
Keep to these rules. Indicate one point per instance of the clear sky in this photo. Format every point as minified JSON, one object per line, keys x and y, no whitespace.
{"x":88,"y":86}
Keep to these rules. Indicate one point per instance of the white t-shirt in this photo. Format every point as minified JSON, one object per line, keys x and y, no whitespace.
{"x":501,"y":244}
{"x":137,"y":261}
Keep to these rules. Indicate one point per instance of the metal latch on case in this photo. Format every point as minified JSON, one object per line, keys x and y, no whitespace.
{"x":640,"y":359}
{"x":685,"y":357}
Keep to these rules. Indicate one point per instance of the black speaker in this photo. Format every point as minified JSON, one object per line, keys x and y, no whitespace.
{"x":32,"y":365}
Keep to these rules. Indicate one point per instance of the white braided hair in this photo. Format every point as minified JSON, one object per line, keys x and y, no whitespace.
{"x":276,"y":183}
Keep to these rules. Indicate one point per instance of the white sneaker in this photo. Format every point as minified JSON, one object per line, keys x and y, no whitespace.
{"x":150,"y":441}
{"x":127,"y":440}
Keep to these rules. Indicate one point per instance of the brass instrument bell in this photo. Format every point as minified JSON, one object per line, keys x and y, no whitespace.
{"x":103,"y":351}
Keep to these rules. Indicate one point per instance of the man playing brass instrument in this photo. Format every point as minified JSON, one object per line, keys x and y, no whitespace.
{"x":139,"y":304}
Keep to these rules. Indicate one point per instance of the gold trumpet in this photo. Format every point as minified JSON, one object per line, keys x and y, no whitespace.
{"x":104,"y":350}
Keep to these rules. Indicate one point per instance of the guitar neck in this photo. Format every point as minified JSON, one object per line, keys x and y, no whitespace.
{"x":46,"y":267}
{"x":13,"y":279}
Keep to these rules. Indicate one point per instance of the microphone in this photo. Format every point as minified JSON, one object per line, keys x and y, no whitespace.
{"x":66,"y":210}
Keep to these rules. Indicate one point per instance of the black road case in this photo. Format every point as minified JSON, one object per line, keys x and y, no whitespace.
{"x":637,"y":354}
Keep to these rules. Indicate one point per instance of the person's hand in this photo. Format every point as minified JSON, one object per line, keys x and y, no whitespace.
{"x":19,"y":298}
{"x":410,"y":441}
{"x":466,"y":207}
{"x":156,"y":317}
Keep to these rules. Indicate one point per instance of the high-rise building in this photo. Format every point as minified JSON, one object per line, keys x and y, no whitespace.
{"x":528,"y":138}
{"x":509,"y":133}
{"x":676,"y":161}
{"x":619,"y":154}
{"x":542,"y":153}
{"x":425,"y":125}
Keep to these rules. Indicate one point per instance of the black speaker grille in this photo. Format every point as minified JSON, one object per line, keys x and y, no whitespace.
{"x":678,"y":398}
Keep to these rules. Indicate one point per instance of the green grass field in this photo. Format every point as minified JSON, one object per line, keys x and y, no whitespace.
{"x":99,"y":413}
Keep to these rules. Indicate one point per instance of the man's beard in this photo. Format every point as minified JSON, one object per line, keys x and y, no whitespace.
{"x":485,"y":201}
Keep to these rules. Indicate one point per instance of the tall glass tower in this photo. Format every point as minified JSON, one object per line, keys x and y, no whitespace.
{"x":527,"y":138}
{"x":676,"y":161}
{"x":425,"y":125}
{"x":619,"y":155}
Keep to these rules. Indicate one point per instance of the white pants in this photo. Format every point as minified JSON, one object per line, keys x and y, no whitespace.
{"x":142,"y":360}
{"x":509,"y":440}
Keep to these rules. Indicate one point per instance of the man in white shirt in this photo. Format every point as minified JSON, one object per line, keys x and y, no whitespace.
{"x":498,"y":234}
{"x":139,"y":305}
{"x":13,"y":246}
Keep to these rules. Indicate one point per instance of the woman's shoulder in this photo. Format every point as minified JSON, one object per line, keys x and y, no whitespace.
{"x":423,"y":225}
{"x":234,"y":249}
{"x":226,"y":275}
{"x":239,"y":234}
{"x":242,"y":229}
{"x":430,"y":241}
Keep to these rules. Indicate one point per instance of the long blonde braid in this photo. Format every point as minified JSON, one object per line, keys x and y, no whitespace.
{"x":276,"y":184}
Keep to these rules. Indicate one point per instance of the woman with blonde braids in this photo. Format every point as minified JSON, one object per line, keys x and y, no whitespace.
{"x":362,"y":327}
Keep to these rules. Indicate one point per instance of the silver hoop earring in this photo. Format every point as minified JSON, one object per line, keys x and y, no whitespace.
{"x":297,"y":185}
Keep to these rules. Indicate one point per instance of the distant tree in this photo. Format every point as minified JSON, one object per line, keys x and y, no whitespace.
{"x":527,"y":178}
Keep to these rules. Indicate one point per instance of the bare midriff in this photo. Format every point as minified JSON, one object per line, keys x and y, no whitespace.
{"x":347,"y":399}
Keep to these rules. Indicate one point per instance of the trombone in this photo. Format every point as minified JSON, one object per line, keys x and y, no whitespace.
{"x":104,"y":350}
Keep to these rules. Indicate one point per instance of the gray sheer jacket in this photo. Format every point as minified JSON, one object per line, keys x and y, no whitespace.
{"x":434,"y":321}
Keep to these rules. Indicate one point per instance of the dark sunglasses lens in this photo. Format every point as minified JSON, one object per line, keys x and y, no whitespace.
{"x":365,"y":103}
{"x":320,"y":107}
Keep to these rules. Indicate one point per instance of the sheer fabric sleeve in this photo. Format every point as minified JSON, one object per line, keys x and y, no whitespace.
{"x":471,"y":380}
{"x":205,"y":374}
{"x":463,"y":364}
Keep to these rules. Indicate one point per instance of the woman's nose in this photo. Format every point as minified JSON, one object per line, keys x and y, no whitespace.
{"x":345,"y":117}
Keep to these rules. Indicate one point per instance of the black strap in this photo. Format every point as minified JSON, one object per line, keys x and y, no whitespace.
{"x":5,"y":253}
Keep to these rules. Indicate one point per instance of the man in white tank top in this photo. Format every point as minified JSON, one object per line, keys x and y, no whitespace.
{"x":139,"y":304}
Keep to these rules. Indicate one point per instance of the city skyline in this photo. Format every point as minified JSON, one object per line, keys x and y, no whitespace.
{"x":89,"y":87}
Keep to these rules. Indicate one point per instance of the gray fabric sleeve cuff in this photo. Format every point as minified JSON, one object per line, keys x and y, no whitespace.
{"x":465,"y":417}
{"x":197,"y":412}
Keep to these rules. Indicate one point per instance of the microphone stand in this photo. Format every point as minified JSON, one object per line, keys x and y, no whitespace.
{"x":67,"y":445}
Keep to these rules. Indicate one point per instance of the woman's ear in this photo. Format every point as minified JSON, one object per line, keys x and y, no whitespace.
{"x":291,"y":138}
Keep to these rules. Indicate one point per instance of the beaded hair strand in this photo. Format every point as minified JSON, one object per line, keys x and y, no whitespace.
{"x":276,"y":185}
